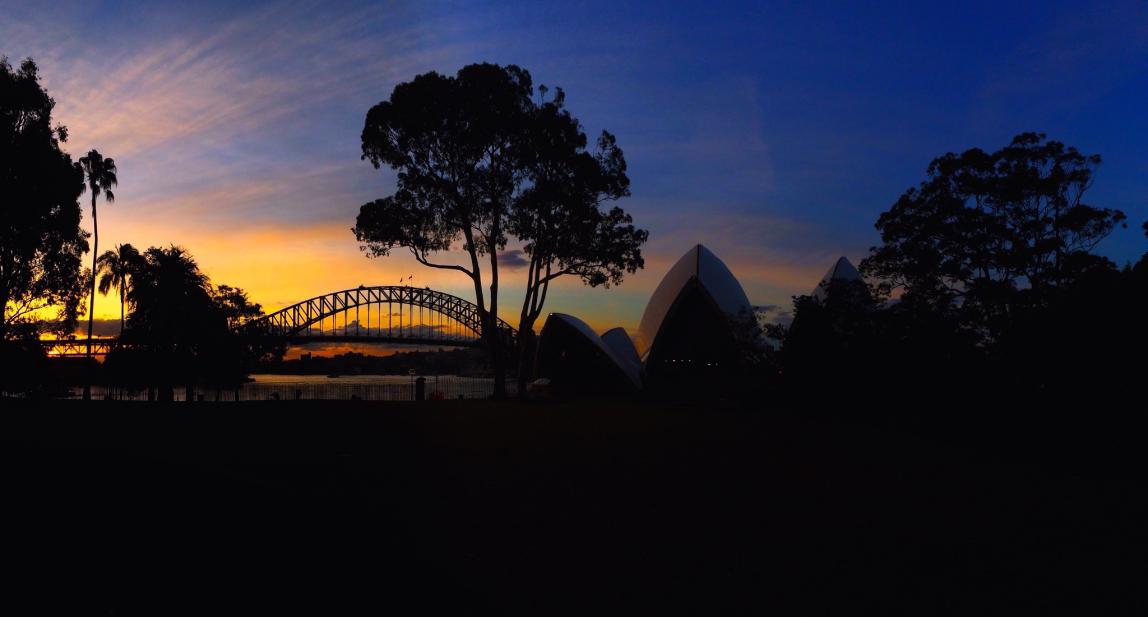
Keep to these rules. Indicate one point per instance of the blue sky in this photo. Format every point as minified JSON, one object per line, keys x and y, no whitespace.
{"x":774,"y":133}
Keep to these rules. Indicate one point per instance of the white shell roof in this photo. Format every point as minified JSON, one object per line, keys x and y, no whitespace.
{"x":630,"y":370}
{"x":617,"y":340}
{"x":843,"y":270}
{"x":698,"y":262}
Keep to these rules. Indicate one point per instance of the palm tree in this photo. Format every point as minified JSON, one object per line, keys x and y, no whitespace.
{"x":167,"y":283}
{"x":115,"y":271}
{"x":173,"y":315}
{"x":101,"y":175}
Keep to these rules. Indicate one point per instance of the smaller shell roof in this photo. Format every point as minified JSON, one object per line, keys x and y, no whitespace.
{"x":630,"y":370}
{"x":842,"y":270}
{"x":700,"y":263}
{"x":623,"y":347}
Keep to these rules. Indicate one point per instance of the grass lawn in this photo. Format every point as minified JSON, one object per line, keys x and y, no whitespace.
{"x":582,"y":508}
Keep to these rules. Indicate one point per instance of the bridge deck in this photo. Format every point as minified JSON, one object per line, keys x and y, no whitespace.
{"x":300,"y":339}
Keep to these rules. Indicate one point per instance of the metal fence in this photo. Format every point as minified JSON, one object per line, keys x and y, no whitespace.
{"x":436,"y":388}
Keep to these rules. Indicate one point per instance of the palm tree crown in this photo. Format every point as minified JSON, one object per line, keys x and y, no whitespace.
{"x":170,"y":297}
{"x":115,"y":269}
{"x":101,"y":175}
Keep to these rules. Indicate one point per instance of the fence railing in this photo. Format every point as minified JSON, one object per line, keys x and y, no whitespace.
{"x":435,"y":388}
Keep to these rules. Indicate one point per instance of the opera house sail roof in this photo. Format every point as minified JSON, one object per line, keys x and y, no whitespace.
{"x":842,"y":270}
{"x":688,"y":318}
{"x":623,"y":347}
{"x":570,"y":351}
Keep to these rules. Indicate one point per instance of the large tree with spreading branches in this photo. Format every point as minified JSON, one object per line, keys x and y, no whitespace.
{"x":991,"y":236}
{"x":41,"y":242}
{"x":480,"y":161}
{"x":560,"y":219}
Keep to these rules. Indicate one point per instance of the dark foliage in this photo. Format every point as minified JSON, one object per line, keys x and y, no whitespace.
{"x":1002,"y":319}
{"x":114,"y":269}
{"x":480,"y":162}
{"x":25,"y":365}
{"x":559,"y":215}
{"x":180,"y":330}
{"x":464,"y":362}
{"x":41,"y":243}
{"x":992,"y":236}
{"x":455,"y":143}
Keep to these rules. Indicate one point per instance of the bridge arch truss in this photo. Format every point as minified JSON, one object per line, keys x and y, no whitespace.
{"x":379,"y":314}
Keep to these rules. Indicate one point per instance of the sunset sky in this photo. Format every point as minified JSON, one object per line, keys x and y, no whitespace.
{"x":775,"y":134}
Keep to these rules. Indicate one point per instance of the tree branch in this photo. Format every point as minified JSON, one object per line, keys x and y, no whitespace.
{"x":422,"y":260}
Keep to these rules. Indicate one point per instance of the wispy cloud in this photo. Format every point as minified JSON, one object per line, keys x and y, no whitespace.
{"x":245,"y":102}
{"x":236,"y":135}
{"x":512,"y":259}
{"x":776,"y":141}
{"x":217,"y":82}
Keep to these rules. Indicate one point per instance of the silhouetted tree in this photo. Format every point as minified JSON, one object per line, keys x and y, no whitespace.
{"x":114,"y":269}
{"x":480,"y":161}
{"x":749,"y":334}
{"x":173,"y":317}
{"x":101,"y":177}
{"x":559,"y":215}
{"x":41,"y":242}
{"x":182,"y":330}
{"x":456,"y":144}
{"x":989,"y":234}
{"x":235,"y":306}
{"x":1083,"y":345}
{"x":251,"y":349}
{"x":981,"y":272}
{"x":829,"y":339}
{"x":1143,"y":263}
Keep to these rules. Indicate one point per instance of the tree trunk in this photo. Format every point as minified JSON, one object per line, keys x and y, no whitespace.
{"x":92,"y":301}
{"x":526,"y":348}
{"x":493,"y":339}
{"x":499,"y":369}
{"x":121,"y":310}
{"x":496,"y":338}
{"x":3,"y":304}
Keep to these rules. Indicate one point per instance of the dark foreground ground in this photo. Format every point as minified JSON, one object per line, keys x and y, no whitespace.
{"x":588,"y":508}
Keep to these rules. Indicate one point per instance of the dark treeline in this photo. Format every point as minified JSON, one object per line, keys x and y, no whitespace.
{"x":180,"y":330}
{"x":42,"y":281}
{"x":464,"y":362}
{"x":986,"y":309}
{"x":177,"y":329}
{"x":41,"y":242}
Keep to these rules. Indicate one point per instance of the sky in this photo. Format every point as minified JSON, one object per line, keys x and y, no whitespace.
{"x":773,"y":133}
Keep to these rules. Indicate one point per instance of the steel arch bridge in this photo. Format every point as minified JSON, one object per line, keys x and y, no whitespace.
{"x":78,"y":347}
{"x":395,"y":314}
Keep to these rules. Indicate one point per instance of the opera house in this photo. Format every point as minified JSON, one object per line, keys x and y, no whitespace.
{"x":842,"y":272}
{"x":688,"y":331}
